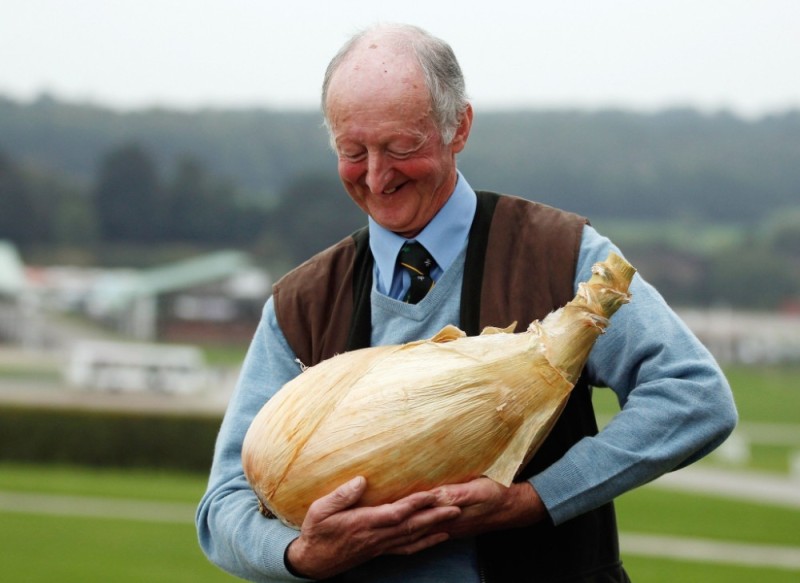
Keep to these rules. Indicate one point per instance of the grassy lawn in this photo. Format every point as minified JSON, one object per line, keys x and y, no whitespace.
{"x":657,"y":511}
{"x":102,"y":482}
{"x":650,"y":570}
{"x":88,"y":549}
{"x":100,"y":549}
{"x":766,"y":394}
{"x":37,"y":548}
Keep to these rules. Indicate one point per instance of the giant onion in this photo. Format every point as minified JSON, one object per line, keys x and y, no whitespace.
{"x":414,"y":416}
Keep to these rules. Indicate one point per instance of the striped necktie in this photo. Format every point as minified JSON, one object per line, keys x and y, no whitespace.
{"x":416,"y":259}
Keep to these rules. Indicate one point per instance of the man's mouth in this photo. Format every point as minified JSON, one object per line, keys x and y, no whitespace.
{"x":394,"y":189}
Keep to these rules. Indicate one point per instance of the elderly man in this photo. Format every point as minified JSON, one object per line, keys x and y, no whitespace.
{"x":395,"y":106}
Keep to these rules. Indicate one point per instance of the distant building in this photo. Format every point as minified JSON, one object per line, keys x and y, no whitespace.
{"x":136,"y":367}
{"x":208,"y":299}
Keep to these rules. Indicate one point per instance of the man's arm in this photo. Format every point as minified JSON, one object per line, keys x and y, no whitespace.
{"x":231,"y":530}
{"x":677,"y":405}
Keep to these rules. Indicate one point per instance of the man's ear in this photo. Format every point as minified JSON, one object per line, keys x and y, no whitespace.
{"x":462,"y":132}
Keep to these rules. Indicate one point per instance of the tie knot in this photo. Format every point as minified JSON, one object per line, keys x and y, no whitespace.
{"x":418,"y":262}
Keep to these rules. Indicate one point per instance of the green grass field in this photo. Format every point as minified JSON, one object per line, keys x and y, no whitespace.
{"x":649,"y":570}
{"x":40,"y":546}
{"x":49,"y":548}
{"x":46,"y":547}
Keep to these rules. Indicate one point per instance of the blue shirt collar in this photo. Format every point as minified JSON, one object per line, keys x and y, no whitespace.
{"x":444,"y":236}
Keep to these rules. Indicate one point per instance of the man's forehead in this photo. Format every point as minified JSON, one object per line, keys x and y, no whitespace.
{"x":376,"y":63}
{"x":373,"y":84}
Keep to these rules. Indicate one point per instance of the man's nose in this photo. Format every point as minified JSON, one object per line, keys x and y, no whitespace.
{"x":378,"y":173}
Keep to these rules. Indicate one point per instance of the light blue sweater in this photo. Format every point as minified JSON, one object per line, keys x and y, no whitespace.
{"x":676,"y":408}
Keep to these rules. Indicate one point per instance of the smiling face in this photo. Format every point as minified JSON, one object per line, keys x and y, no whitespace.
{"x":392,"y":160}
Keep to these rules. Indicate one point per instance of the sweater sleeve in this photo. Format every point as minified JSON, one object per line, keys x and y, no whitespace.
{"x":231,"y":531}
{"x":676,"y":405}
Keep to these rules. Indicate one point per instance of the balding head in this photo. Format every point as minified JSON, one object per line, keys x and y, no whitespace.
{"x":381,"y":51}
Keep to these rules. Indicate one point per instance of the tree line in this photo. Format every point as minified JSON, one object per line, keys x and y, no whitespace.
{"x":669,"y":164}
{"x":130,"y":200}
{"x":133,"y":200}
{"x":86,"y":177}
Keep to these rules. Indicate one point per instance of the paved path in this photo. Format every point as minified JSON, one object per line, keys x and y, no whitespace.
{"x":738,"y":485}
{"x":95,"y":507}
{"x":710,"y":551}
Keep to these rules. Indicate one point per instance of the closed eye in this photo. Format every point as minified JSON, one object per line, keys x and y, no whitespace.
{"x":354,"y":157}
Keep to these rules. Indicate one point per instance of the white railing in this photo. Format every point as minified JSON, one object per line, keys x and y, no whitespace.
{"x":746,"y":337}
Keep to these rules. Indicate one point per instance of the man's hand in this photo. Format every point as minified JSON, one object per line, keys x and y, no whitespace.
{"x":487,"y":506}
{"x":336,"y":535}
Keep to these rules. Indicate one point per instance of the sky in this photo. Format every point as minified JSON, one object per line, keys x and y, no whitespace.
{"x":738,"y":55}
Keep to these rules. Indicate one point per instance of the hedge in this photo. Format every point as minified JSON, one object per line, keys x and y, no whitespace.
{"x":106,"y":438}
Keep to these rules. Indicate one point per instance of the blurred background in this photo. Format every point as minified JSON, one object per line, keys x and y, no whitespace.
{"x":162,"y":163}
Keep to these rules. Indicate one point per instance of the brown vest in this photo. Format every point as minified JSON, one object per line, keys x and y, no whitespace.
{"x":520,"y":265}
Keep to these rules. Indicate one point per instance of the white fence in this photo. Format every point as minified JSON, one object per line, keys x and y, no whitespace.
{"x":747,"y":337}
{"x":127,"y":366}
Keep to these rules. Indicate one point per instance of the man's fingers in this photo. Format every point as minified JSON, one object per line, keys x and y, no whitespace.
{"x":420,"y":544}
{"x":462,"y":494}
{"x":340,"y":499}
{"x":420,"y":531}
{"x":433,"y":516}
{"x":408,"y":536}
{"x":392,"y":514}
{"x":412,"y":514}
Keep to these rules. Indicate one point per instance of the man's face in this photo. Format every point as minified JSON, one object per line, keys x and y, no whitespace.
{"x":392,"y":161}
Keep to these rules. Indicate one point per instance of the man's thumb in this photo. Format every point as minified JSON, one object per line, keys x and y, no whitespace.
{"x":349,"y":492}
{"x":340,"y":499}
